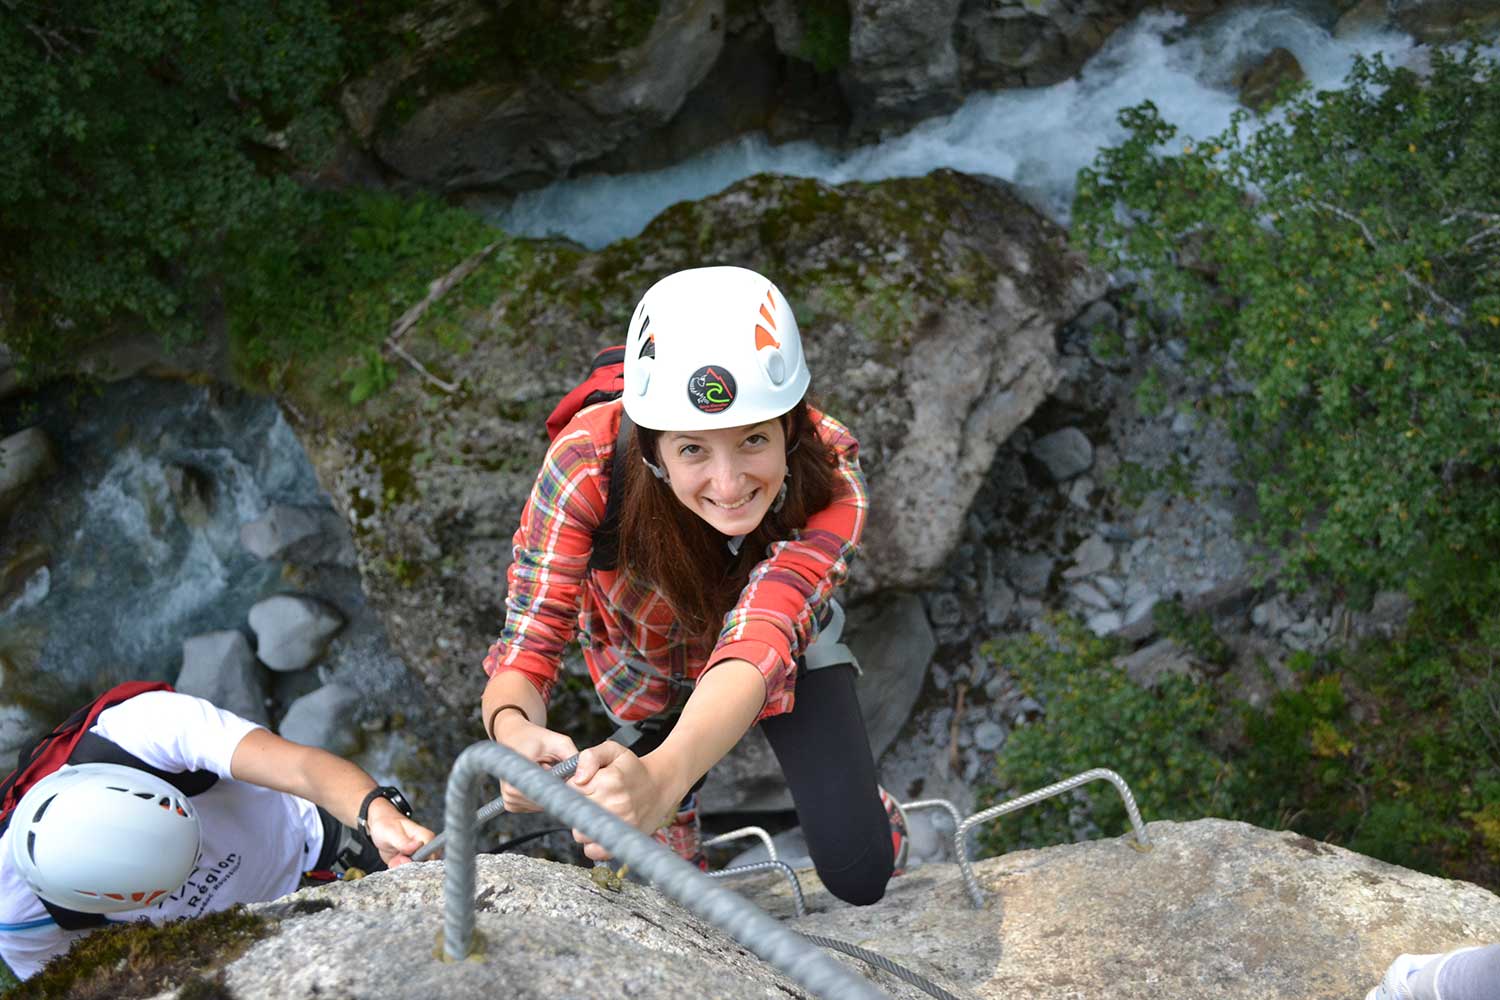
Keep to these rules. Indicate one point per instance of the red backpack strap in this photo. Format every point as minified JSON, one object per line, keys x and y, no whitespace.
{"x":53,"y":750}
{"x":606,"y":381}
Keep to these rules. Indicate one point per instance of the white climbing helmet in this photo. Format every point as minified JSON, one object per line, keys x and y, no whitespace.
{"x":712,"y":347}
{"x":103,"y":838}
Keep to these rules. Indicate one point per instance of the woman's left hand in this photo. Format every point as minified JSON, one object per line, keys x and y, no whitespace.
{"x":625,"y":784}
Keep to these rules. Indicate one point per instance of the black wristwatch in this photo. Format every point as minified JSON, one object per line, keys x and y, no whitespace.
{"x":392,"y":795}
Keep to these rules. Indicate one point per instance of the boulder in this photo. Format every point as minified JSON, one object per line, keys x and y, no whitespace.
{"x":19,"y":726}
{"x":291,"y":632}
{"x":309,"y":536}
{"x":1064,"y":453}
{"x":1149,"y":665}
{"x":1093,"y":556}
{"x":192,"y":491}
{"x":1030,"y":571}
{"x":488,"y":107}
{"x":1259,"y":84}
{"x":220,"y":667}
{"x":1028,"y":43}
{"x":324,"y":718}
{"x":16,"y":575}
{"x":26,"y":458}
{"x":1217,"y":910}
{"x":1439,"y":21}
{"x":929,"y":309}
{"x":902,"y":64}
{"x":1364,"y":17}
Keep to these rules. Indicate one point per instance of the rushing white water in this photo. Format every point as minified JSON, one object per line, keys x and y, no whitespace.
{"x":130,"y":574}
{"x":1036,"y":138}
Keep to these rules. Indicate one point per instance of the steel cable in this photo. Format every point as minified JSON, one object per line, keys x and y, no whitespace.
{"x":881,"y":962}
{"x":494,"y":808}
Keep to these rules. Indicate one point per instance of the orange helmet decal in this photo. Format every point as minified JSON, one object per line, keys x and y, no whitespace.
{"x":763,"y":336}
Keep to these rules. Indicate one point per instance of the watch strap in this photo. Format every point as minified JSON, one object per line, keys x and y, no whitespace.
{"x":391,"y":794}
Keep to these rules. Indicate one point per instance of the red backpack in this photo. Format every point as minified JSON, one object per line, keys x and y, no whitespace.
{"x":605,"y":381}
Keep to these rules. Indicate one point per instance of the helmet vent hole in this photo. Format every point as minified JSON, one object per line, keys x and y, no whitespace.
{"x":31,"y":845}
{"x":42,"y":808}
{"x":116,"y":788}
{"x":143,"y":795}
{"x":164,"y":802}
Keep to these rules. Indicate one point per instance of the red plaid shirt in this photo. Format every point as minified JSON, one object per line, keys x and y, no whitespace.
{"x":641,"y":662}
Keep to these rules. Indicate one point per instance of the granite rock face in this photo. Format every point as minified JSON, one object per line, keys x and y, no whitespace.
{"x":1217,"y":910}
{"x":926,"y":305}
{"x":472,"y":99}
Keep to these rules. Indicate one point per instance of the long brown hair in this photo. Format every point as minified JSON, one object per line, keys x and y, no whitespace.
{"x":673,"y":550}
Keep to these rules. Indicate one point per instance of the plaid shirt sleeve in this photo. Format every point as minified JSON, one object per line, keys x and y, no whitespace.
{"x":777,"y":611}
{"x":551,"y":554}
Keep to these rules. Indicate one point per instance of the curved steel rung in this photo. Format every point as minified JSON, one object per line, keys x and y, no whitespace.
{"x":799,"y":905}
{"x":743,"y":833}
{"x":961,"y":837}
{"x":911,"y":807}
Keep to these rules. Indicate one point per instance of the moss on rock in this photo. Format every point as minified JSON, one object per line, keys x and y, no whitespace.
{"x":142,"y":959}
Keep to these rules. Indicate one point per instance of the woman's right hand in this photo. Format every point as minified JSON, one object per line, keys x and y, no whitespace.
{"x":533,"y":742}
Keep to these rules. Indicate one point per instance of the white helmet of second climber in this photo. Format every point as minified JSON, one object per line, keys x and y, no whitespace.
{"x":104,"y":838}
{"x":712,"y":347}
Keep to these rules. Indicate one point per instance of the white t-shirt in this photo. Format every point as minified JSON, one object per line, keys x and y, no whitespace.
{"x":255,"y":842}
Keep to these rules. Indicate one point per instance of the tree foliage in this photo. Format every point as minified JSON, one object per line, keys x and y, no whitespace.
{"x":135,"y":135}
{"x":1342,"y":260}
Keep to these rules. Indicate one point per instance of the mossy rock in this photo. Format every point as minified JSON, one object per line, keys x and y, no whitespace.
{"x":143,"y":959}
{"x":894,"y":283}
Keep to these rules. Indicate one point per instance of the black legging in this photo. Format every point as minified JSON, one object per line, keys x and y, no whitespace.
{"x":825,"y":756}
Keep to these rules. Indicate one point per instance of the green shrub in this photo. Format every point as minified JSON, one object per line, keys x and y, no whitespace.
{"x":825,"y":34}
{"x":135,"y":136}
{"x":1391,"y":749}
{"x":332,"y":277}
{"x":1345,"y":261}
{"x":1157,"y":740}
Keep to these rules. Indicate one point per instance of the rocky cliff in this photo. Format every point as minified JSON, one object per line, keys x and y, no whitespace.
{"x":1215,"y":911}
{"x":929,"y":308}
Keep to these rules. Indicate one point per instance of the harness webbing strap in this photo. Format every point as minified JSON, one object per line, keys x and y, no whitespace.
{"x":606,"y":543}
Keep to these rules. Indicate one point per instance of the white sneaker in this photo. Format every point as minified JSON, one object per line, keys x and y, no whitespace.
{"x":1396,"y":985}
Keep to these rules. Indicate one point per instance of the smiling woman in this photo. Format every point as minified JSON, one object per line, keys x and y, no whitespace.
{"x":739,"y":507}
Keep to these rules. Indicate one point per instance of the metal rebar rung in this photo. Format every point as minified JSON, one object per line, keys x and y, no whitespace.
{"x":961,"y":837}
{"x":741,"y":834}
{"x":952,"y":810}
{"x":799,"y":904}
{"x":815,"y":971}
{"x":490,"y":810}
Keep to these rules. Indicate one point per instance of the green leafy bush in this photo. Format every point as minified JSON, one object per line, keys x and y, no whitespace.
{"x":1391,"y":749}
{"x":1344,"y":260}
{"x":135,"y":136}
{"x":328,"y":281}
{"x":1158,"y":739}
{"x":825,"y":34}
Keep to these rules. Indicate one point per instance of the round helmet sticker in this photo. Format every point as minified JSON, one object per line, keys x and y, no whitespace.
{"x":711,"y":388}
